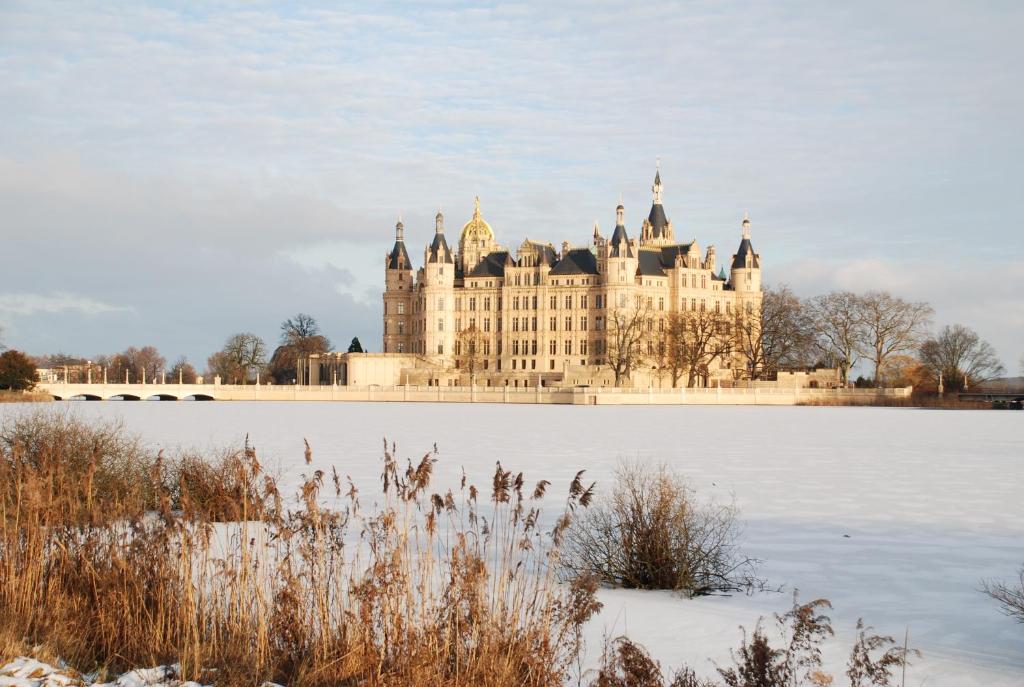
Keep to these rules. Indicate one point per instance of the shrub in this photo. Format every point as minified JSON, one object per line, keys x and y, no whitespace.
{"x":85,"y":464}
{"x":651,"y":532}
{"x":1009,"y":596}
{"x":17,"y":371}
{"x":795,"y":662}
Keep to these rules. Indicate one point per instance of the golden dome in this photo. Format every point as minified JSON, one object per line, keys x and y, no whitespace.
{"x":476,"y":229}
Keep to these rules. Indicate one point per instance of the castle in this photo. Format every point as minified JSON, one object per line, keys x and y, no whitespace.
{"x":485,"y":315}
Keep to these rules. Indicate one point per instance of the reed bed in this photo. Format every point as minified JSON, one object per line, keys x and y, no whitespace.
{"x":209,"y":566}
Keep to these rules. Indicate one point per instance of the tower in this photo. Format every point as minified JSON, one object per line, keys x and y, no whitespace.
{"x":476,"y":240}
{"x":621,"y":263}
{"x":437,"y":279}
{"x":745,"y":276}
{"x":398,"y":295}
{"x":657,"y":229}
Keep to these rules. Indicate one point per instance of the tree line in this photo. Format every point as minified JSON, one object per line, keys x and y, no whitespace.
{"x":245,"y":358}
{"x":834,"y":330}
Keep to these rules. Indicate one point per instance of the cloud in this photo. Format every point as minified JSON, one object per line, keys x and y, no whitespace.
{"x":28,"y":304}
{"x":223,"y":167}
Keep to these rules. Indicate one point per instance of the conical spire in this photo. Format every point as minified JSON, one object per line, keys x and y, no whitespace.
{"x":620,"y":240}
{"x":439,"y":222}
{"x":657,"y":219}
{"x":745,"y":253}
{"x":398,"y":259}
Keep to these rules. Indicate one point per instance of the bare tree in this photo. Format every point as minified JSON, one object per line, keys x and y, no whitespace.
{"x":891,"y":325}
{"x":469,"y":346}
{"x":904,"y":370}
{"x":300,"y":327}
{"x":625,"y":332}
{"x":963,"y":358}
{"x":247,"y":352}
{"x":134,"y":364}
{"x":695,"y":340}
{"x":838,"y":320}
{"x":220,"y":364}
{"x":778,"y":334}
{"x":183,"y":371}
{"x":300,"y":336}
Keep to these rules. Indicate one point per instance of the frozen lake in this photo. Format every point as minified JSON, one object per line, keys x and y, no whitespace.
{"x":895,"y":515}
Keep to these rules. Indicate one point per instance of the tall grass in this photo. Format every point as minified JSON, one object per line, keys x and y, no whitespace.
{"x":449,"y":587}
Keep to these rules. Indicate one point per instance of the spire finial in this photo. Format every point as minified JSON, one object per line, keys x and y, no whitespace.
{"x":476,"y":207}
{"x":439,"y":222}
{"x":399,"y":227}
{"x":619,"y":214}
{"x":746,"y":225}
{"x":656,"y":189}
{"x":597,"y":230}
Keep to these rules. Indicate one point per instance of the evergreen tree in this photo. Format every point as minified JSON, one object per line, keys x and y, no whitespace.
{"x":355,"y":346}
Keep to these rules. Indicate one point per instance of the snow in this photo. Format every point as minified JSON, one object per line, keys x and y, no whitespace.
{"x":895,"y":515}
{"x":28,"y":672}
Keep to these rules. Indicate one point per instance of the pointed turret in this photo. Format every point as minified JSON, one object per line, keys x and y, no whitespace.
{"x":439,"y":251}
{"x":745,"y":256}
{"x":398,"y":259}
{"x":619,"y":242}
{"x":657,"y":227}
{"x":746,"y":264}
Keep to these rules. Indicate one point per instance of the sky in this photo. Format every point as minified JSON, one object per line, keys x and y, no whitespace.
{"x":173,"y":174}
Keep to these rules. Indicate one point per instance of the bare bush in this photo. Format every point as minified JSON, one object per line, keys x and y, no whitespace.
{"x":793,"y":661}
{"x":651,"y":532}
{"x":1009,"y":596}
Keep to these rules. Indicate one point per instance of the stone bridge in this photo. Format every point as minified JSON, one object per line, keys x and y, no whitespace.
{"x":457,"y":394}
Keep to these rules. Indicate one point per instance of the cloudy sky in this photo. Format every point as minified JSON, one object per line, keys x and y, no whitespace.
{"x":172,"y":174}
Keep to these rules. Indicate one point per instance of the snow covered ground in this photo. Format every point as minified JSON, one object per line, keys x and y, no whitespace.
{"x":895,"y":515}
{"x":28,"y":672}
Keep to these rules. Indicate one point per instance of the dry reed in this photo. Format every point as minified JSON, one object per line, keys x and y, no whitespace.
{"x":425,"y":587}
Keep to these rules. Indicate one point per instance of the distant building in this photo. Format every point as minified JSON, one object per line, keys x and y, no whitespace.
{"x":541,"y":314}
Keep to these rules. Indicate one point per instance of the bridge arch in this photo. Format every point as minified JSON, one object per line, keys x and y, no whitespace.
{"x":82,"y":397}
{"x":124,"y":397}
{"x":162,"y":397}
{"x":198,"y":397}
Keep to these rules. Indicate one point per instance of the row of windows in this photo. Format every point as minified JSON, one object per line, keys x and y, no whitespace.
{"x":530,"y":303}
{"x":530,"y":323}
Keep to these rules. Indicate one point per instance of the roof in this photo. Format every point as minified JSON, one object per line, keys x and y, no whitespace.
{"x":399,"y":258}
{"x":739,"y":260}
{"x":620,"y":243}
{"x":493,"y":265}
{"x":545,"y":252}
{"x":439,"y":251}
{"x":650,"y":263}
{"x":658,"y":220}
{"x":576,"y":261}
{"x":654,"y":261}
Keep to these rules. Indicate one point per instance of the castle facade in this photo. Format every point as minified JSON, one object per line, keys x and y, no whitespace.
{"x":542,"y":315}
